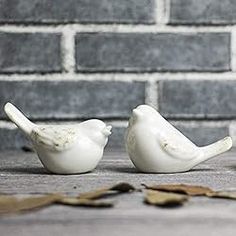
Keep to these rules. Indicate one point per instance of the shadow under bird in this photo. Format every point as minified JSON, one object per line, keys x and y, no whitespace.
{"x":154,"y":145}
{"x":64,"y":149}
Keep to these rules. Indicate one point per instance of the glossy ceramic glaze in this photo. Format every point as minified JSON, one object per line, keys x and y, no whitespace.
{"x":64,"y":149}
{"x":154,"y":145}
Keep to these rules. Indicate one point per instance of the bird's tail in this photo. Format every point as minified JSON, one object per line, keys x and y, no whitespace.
{"x":18,"y":118}
{"x":216,"y":148}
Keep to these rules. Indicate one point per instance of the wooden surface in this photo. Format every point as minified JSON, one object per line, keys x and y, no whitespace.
{"x":22,"y":173}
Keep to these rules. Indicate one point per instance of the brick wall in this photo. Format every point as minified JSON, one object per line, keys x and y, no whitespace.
{"x":66,"y":61}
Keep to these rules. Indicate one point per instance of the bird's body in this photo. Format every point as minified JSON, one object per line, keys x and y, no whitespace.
{"x":154,"y":145}
{"x":65,"y":149}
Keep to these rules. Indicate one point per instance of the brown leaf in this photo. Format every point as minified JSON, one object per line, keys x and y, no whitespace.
{"x":74,"y":201}
{"x":158,"y":198}
{"x":123,"y":187}
{"x":191,"y":190}
{"x":222,"y":194}
{"x":113,"y":190}
{"x":9,"y":204}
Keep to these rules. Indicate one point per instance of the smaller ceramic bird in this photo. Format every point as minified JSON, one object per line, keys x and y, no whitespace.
{"x":154,"y":145}
{"x":64,"y":149}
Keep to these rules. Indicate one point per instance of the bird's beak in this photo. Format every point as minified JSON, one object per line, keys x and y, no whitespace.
{"x":107,"y":130}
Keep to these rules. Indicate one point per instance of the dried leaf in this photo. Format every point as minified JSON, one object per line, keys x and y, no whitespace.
{"x":158,"y":198}
{"x":123,"y":187}
{"x":94,"y":194}
{"x":191,"y":190}
{"x":222,"y":194}
{"x":113,"y":190}
{"x":73,"y":201}
{"x":9,"y":204}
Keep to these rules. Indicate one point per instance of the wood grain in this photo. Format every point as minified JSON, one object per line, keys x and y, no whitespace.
{"x":21,"y":173}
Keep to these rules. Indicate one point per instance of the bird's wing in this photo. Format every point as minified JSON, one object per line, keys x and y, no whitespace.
{"x":182,"y":151}
{"x":55,"y":137}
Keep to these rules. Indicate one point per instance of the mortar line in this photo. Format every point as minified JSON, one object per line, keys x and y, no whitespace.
{"x":232,"y":132}
{"x":151,"y":94}
{"x":121,"y":123}
{"x":118,"y":28}
{"x":161,"y":13}
{"x":196,"y":123}
{"x":157,"y":95}
{"x":167,"y":10}
{"x":233,"y":50}
{"x":116,"y":76}
{"x":68,"y":50}
{"x":10,"y":125}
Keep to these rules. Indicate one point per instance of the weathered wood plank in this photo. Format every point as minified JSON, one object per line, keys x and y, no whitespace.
{"x":22,"y":173}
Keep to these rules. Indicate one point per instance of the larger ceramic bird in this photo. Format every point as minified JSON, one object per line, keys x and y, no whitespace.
{"x":64,"y":149}
{"x":154,"y":145}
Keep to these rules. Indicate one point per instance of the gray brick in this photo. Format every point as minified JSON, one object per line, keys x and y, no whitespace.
{"x":116,"y":140}
{"x":200,"y":134}
{"x":198,"y":99}
{"x":85,"y":11}
{"x":203,"y":134}
{"x":153,"y":52}
{"x":72,"y":99}
{"x":202,"y":12}
{"x":12,"y":139}
{"x":26,"y":52}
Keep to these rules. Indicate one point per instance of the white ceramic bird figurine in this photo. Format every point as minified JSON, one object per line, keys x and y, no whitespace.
{"x":154,"y":145}
{"x":64,"y":149}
